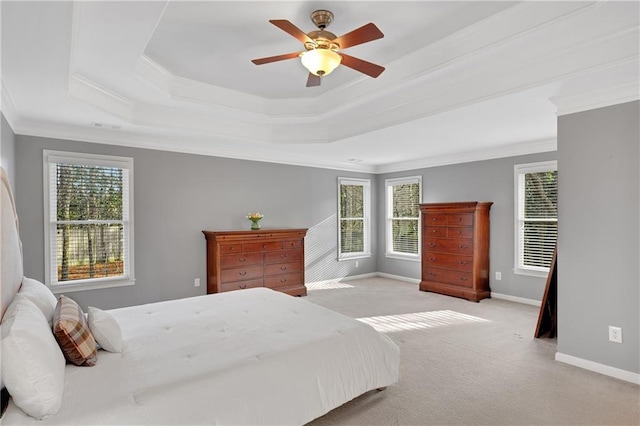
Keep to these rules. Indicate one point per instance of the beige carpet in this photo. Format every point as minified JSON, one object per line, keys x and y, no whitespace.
{"x":471,"y":363}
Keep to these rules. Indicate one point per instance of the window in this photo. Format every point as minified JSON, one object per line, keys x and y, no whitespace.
{"x":88,"y":221}
{"x":403,"y":197}
{"x":353,"y":211}
{"x":536,"y":209}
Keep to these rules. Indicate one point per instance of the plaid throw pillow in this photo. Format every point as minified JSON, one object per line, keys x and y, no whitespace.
{"x":72,"y":333}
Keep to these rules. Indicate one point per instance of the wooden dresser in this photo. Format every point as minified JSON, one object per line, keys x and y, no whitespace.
{"x":271,"y":258}
{"x":455,"y":249}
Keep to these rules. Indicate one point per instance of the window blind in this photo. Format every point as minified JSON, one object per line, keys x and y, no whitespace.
{"x":537,"y":216}
{"x":353,"y":217}
{"x":403,"y":198}
{"x":89,"y":225}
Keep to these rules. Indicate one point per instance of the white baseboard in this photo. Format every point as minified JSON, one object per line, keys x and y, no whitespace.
{"x":517,"y":299}
{"x":358,"y":277}
{"x":627,"y":376}
{"x":398,"y":277}
{"x":531,"y":302}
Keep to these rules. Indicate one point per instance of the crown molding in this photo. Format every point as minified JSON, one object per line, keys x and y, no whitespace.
{"x":7,"y":107}
{"x":598,"y":99}
{"x":512,"y":150}
{"x":186,"y":145}
{"x":92,"y":93}
{"x":224,"y":149}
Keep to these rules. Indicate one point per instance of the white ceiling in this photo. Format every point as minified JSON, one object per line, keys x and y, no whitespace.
{"x":463,"y":80}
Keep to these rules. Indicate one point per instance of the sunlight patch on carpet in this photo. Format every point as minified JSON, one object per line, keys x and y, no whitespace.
{"x":324,"y":285}
{"x":419,"y":320}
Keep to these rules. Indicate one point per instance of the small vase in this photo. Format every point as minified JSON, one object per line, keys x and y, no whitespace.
{"x":255,"y":224}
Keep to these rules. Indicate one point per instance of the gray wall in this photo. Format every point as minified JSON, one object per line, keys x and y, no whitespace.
{"x":490,"y":180}
{"x":7,"y":149}
{"x":176,"y":196}
{"x":599,"y":235}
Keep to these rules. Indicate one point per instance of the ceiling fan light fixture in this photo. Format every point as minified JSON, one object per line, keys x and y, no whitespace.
{"x":320,"y":61}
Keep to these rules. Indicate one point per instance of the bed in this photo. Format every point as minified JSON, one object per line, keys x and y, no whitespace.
{"x":246,"y":357}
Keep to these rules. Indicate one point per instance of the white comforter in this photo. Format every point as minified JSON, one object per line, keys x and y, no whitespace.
{"x":244,"y":357}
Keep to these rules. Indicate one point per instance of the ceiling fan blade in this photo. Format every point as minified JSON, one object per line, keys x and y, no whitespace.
{"x":275,"y":58}
{"x":364,"y":67}
{"x":288,"y":27}
{"x":358,"y":36}
{"x":313,"y":80}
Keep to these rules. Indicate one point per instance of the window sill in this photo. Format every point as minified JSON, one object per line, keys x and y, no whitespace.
{"x":531,"y":273}
{"x":354,"y":256}
{"x":70,"y":288}
{"x":413,"y":258}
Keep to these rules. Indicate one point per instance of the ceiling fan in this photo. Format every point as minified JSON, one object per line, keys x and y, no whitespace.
{"x":321,"y":55}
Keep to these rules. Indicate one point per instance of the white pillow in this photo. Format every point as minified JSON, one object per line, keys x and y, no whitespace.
{"x":32,"y":362}
{"x":105,"y":329}
{"x":40,"y":295}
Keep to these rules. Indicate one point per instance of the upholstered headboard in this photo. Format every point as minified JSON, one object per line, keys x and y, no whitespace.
{"x":11,"y":247}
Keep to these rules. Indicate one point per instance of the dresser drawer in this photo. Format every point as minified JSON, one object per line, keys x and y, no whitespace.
{"x":282,"y":268}
{"x":435,"y":231}
{"x":282,"y":256}
{"x":241,"y":274}
{"x":276,"y":281}
{"x":241,"y":285}
{"x":435,"y":219}
{"x":262,"y":246}
{"x":230,"y":248}
{"x":449,"y":261}
{"x":292,"y":244}
{"x":448,"y":245}
{"x":461,"y":219}
{"x":239,"y":260}
{"x":453,"y":232}
{"x":460,"y":278}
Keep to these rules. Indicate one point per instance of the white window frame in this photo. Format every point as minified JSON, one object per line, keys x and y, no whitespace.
{"x":50,"y":159}
{"x":366,"y":185}
{"x":389,"y":184}
{"x":519,"y":171}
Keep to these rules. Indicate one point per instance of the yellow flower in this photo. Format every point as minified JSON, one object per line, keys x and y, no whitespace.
{"x":255,"y":216}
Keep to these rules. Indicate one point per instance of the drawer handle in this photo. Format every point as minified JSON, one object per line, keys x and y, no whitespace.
{"x":435,"y":231}
{"x":463,"y":278}
{"x":459,"y":219}
{"x":459,"y":231}
{"x":243,"y":286}
{"x":230,"y":248}
{"x":463,"y":246}
{"x":244,"y":259}
{"x":433,"y":274}
{"x":434,"y":220}
{"x":242,"y":272}
{"x":283,"y":280}
{"x":283,"y":268}
{"x":433,"y":259}
{"x":432,"y":244}
{"x":462,"y":262}
{"x":284,"y":256}
{"x":264,"y":246}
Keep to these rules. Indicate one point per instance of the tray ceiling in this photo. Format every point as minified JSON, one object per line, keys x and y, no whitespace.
{"x":463,"y":80}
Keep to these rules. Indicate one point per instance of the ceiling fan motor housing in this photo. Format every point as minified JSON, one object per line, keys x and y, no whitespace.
{"x":322,"y":18}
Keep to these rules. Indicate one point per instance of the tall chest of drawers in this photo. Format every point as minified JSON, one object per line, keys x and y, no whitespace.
{"x":271,"y":258}
{"x":455,"y":249}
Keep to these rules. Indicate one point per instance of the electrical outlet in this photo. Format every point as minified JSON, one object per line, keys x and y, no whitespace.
{"x":498,"y":276}
{"x":196,"y":282}
{"x":615,"y":334}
